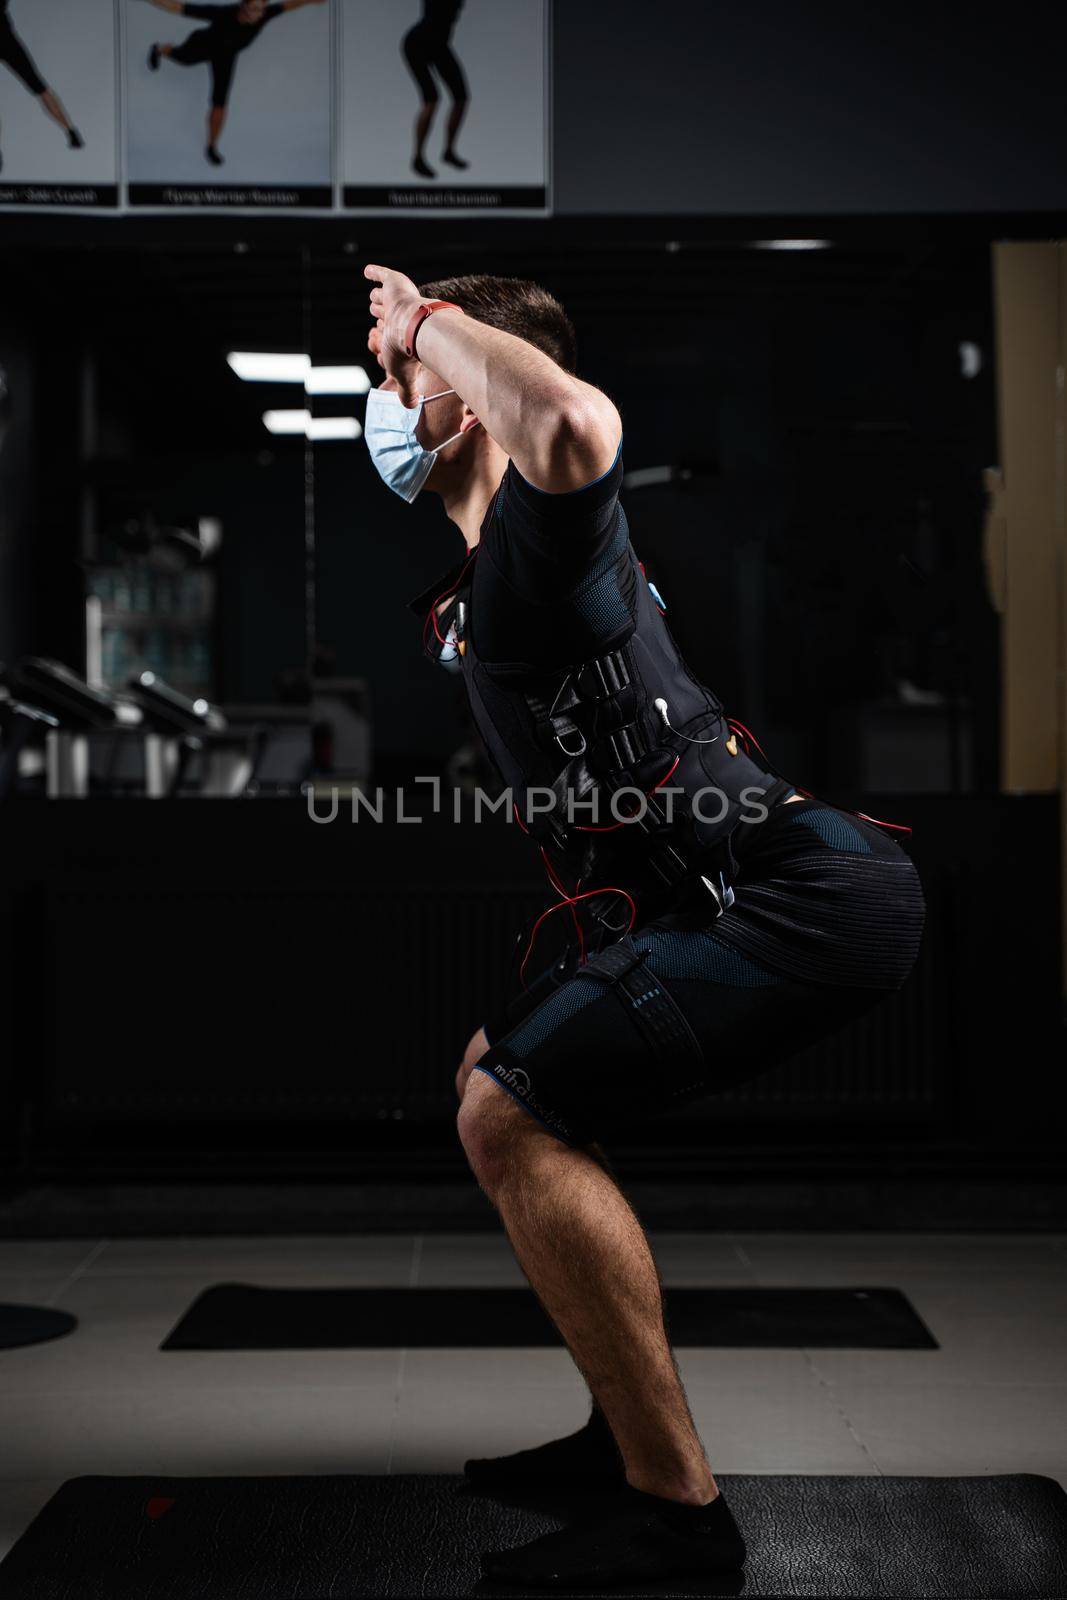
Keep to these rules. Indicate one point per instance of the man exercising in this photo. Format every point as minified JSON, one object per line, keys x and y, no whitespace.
{"x":231,"y":29}
{"x":718,"y":920}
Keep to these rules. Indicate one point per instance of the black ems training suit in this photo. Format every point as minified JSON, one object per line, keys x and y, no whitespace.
{"x":220,"y":44}
{"x":717,"y":947}
{"x":13,"y":54}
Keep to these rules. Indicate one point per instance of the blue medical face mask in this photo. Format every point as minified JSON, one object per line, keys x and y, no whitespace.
{"x":401,"y":460}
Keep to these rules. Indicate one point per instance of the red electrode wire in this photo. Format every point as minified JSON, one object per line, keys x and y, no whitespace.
{"x":572,"y":901}
{"x":584,"y":827}
{"x":747,"y":737}
{"x":553,"y":879}
{"x":431,"y":615}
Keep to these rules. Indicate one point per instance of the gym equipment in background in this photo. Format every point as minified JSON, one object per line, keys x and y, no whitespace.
{"x":70,"y":711}
{"x":20,"y":725}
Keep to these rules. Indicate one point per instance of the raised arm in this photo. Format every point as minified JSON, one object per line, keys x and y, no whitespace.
{"x":174,"y":6}
{"x":295,"y":5}
{"x":561,"y":433}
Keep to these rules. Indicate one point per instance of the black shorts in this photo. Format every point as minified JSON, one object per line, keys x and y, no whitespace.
{"x":203,"y":46}
{"x":13,"y":54}
{"x":827,"y":920}
{"x":426,"y":53}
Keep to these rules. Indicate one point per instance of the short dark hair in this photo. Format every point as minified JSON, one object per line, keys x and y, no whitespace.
{"x":516,"y":306}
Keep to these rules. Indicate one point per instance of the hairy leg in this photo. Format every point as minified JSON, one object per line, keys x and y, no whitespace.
{"x":477,"y":1047}
{"x":586,"y":1256}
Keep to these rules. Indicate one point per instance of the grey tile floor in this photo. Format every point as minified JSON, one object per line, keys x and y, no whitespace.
{"x":992,"y":1399}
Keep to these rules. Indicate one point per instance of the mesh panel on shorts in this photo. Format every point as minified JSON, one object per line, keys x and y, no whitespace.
{"x":571,"y":999}
{"x":834,"y":830}
{"x":701,"y":955}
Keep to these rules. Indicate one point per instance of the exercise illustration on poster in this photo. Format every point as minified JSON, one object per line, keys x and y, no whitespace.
{"x":250,"y":71}
{"x":478,"y":69}
{"x":69,"y":43}
{"x":428,"y":52}
{"x":230,"y":29}
{"x":17,"y":59}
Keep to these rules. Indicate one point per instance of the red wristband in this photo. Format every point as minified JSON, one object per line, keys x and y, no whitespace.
{"x":424,"y":311}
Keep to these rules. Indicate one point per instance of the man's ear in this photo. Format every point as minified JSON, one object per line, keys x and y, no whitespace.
{"x":469,"y":421}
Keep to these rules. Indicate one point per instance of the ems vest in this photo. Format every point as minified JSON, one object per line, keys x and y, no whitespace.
{"x":584,"y":745}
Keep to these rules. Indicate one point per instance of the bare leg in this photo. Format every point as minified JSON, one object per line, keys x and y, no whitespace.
{"x":455,"y":122}
{"x":423,"y":124}
{"x":215,"y":123}
{"x":588,"y":1260}
{"x":53,"y":106}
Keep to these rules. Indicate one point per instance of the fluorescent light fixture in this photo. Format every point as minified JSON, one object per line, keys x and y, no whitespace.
{"x":303,"y":425}
{"x":286,"y":421}
{"x":970,"y":358}
{"x":259,"y":366}
{"x":337,"y":380}
{"x":333,"y":428}
{"x":792,"y":244}
{"x":644,"y":477}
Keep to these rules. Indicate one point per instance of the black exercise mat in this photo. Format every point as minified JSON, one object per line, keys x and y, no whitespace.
{"x":238,"y":1316}
{"x":23,"y":1325}
{"x":838,"y":1538}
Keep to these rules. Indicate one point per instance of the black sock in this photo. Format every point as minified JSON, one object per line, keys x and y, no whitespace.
{"x":453,"y":160}
{"x":213,"y":156}
{"x":153,"y":58}
{"x":74,"y":139}
{"x":423,"y":168}
{"x":644,"y":1537}
{"x":590,"y":1451}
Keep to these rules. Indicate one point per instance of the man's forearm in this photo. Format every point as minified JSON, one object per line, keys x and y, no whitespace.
{"x":559,"y":431}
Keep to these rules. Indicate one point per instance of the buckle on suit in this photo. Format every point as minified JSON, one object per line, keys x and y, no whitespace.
{"x":569,"y":733}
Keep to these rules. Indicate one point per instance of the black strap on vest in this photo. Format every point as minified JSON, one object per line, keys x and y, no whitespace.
{"x":582,"y":690}
{"x":671,"y":859}
{"x":655,"y":1012}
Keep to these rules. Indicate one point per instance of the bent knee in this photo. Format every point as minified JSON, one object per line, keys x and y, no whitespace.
{"x":474,"y":1052}
{"x":486,"y":1131}
{"x":462,"y":1079}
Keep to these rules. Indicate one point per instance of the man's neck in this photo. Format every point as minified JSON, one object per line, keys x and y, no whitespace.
{"x":467,"y":503}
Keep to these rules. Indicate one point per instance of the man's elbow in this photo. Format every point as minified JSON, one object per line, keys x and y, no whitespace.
{"x":586,"y":430}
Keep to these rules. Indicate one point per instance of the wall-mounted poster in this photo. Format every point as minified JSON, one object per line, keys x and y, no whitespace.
{"x":229,"y":105}
{"x":444,"y":105}
{"x":58,"y":103}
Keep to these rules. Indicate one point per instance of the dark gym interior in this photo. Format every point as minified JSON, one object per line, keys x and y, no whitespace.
{"x":819,"y":270}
